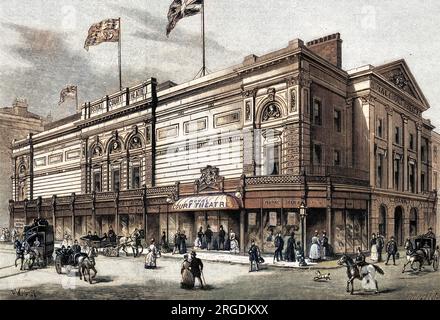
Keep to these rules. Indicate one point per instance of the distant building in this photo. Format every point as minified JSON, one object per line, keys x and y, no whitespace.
{"x":436,"y":178}
{"x":242,"y":148}
{"x":16,"y":122}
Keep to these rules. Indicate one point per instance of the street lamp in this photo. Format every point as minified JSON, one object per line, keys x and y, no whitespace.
{"x":302,"y":215}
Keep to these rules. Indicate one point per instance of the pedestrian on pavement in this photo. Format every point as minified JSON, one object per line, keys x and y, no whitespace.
{"x":279,"y":245}
{"x":300,"y":255}
{"x":290,"y":249}
{"x":208,"y":237}
{"x":221,"y":238}
{"x":254,"y":257}
{"x":200,"y":236}
{"x":151,"y":257}
{"x":373,"y":248}
{"x":196,"y":267}
{"x":325,"y":246}
{"x":164,"y":242}
{"x":183,"y":239}
{"x":315,"y":252}
{"x":185,"y":271}
{"x":177,"y":240}
{"x":391,"y":250}
{"x":380,"y":243}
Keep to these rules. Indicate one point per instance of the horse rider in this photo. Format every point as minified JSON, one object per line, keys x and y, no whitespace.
{"x":430,"y":234}
{"x":254,"y":256}
{"x":196,"y":266}
{"x":391,"y":250}
{"x":111,"y":235}
{"x":137,"y":241}
{"x":75,"y":251}
{"x":360,"y":258}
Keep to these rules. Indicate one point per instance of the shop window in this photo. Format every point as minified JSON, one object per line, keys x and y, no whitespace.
{"x":272,"y":159}
{"x":135,"y":177}
{"x":97,"y":181}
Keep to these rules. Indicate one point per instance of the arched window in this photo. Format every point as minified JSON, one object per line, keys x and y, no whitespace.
{"x":114,"y":147}
{"x":382,"y":220}
{"x":96,"y":151}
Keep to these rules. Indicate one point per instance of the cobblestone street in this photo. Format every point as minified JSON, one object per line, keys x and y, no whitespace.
{"x":126,"y":278}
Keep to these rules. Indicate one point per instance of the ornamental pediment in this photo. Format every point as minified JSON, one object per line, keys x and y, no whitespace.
{"x":398,"y":75}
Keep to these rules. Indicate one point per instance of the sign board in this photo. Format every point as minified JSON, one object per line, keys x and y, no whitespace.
{"x":272,"y":218}
{"x":218,"y":202}
{"x":252,"y":218}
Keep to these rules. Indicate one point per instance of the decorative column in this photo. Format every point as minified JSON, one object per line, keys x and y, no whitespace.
{"x":390,"y":146}
{"x":304,"y":118}
{"x":249,"y":144}
{"x":369,"y":108}
{"x":405,"y":152}
{"x":54,"y":203}
{"x":329,"y":210}
{"x":11,"y":214}
{"x":72,"y":212}
{"x":419,"y":156}
{"x":31,"y":167}
{"x":242,"y":235}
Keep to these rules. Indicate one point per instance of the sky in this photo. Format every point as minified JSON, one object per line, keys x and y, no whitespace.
{"x":41,"y":44}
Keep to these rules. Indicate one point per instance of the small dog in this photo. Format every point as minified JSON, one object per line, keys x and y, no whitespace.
{"x":319,"y":276}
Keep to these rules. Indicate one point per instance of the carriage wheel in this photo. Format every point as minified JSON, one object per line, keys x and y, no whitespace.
{"x":435,"y":263}
{"x":58,"y":264}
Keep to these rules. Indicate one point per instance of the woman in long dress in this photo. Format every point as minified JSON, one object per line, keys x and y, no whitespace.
{"x":373,"y":248}
{"x":315,"y":251}
{"x":150,"y":259}
{"x":187,"y":276}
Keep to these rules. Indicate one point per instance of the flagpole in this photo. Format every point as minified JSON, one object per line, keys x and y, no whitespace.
{"x":119,"y":55}
{"x":203,"y":39}
{"x":76,"y":99}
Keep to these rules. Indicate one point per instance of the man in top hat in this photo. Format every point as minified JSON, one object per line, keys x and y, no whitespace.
{"x":196,"y":267}
{"x":391,"y":250}
{"x":430,"y":234}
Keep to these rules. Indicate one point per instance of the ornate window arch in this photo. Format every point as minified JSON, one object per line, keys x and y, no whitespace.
{"x":271,"y":111}
{"x":134,"y":142}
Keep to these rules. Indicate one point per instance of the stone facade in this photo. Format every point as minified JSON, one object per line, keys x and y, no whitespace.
{"x":278,"y":130}
{"x":16,"y":122}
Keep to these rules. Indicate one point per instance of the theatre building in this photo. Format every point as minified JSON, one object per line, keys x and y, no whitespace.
{"x":241,"y":148}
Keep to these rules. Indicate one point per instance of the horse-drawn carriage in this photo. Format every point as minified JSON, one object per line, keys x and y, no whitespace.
{"x":111,"y":247}
{"x":71,"y":259}
{"x":37,"y":246}
{"x":425,"y":251}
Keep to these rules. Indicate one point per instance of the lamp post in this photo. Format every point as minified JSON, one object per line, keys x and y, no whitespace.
{"x":169,"y":201}
{"x":302,"y":215}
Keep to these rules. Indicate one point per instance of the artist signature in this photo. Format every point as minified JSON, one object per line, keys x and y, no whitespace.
{"x":24,"y":293}
{"x":431,"y":295}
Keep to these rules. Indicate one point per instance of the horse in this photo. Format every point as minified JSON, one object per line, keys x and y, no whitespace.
{"x":87,"y":263}
{"x":19,"y":253}
{"x":353,"y":272}
{"x":125,"y":242}
{"x":413,"y":255}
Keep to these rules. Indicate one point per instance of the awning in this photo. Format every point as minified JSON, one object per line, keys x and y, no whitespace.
{"x":217,"y":202}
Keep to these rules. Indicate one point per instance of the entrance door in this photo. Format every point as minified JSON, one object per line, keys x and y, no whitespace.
{"x":398,"y":225}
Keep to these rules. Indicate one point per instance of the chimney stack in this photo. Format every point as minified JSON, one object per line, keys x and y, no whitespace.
{"x":329,"y":48}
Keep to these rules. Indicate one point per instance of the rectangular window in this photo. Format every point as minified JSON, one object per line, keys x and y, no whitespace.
{"x":397,"y":174}
{"x":337,"y":120}
{"x":435,"y":180}
{"x":97,"y":181}
{"x":397,"y":135}
{"x":317,"y":112}
{"x":379,"y":130}
{"x":412,"y":178}
{"x":135,"y":178}
{"x":424,"y":150}
{"x":317,"y":154}
{"x":422,"y":181}
{"x":116,"y":180}
{"x":337,"y":158}
{"x":411,"y":141}
{"x":272,"y":159}
{"x":379,"y":170}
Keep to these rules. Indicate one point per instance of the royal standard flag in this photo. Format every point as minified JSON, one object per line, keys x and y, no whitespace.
{"x":68,"y":91}
{"x":181,"y":9}
{"x":104,"y":31}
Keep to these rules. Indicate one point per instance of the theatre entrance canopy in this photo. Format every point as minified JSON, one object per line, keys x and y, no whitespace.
{"x":206,"y":202}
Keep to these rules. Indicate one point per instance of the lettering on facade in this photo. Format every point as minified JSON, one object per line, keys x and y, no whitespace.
{"x":272,"y":203}
{"x":395,"y":98}
{"x":206,"y":202}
